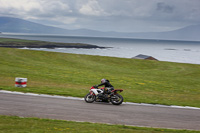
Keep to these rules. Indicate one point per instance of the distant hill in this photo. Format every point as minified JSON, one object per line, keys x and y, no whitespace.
{"x":191,"y":33}
{"x":15,"y":25}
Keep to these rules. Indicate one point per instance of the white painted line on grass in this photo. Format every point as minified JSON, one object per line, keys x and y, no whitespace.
{"x":81,"y":99}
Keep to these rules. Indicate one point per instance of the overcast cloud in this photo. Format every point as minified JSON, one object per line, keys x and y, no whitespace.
{"x":106,"y":15}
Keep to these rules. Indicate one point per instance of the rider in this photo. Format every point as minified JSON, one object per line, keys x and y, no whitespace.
{"x":107,"y":86}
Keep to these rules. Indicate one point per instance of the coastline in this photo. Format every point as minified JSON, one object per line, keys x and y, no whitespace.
{"x":22,"y":43}
{"x":170,"y":51}
{"x":54,"y":46}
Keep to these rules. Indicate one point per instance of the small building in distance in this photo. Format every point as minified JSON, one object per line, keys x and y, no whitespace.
{"x":144,"y":57}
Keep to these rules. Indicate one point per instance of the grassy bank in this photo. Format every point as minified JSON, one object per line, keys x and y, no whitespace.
{"x":12,"y":124}
{"x":72,"y":75}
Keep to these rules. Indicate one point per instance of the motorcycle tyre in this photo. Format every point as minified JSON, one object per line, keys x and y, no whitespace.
{"x":117,"y":103}
{"x":94,"y":97}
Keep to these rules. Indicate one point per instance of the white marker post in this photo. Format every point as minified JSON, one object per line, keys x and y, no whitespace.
{"x":20,"y":82}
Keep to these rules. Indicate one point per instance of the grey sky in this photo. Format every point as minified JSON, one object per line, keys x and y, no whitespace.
{"x":106,"y":15}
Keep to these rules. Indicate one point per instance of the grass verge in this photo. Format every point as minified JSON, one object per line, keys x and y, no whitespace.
{"x":14,"y":124}
{"x":65,"y":74}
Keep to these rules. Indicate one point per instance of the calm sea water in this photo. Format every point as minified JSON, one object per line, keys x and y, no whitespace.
{"x":163,"y":50}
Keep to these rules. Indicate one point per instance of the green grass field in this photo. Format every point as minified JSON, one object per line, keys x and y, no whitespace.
{"x":65,"y":74}
{"x":12,"y":124}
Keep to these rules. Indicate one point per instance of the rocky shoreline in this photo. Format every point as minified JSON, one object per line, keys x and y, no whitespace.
{"x":52,"y":46}
{"x":20,"y":43}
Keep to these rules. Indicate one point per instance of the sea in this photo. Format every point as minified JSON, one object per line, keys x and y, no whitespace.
{"x":163,"y":50}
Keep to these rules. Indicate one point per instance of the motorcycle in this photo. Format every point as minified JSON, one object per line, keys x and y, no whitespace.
{"x":104,"y":95}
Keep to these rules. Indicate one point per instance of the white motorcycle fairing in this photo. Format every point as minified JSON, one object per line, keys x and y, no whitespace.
{"x":96,"y":91}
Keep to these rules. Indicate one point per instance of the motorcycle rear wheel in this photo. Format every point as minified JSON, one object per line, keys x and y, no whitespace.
{"x":117,"y":99}
{"x":89,"y":98}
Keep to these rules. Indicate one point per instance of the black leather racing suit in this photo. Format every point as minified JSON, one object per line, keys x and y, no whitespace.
{"x":107,"y":85}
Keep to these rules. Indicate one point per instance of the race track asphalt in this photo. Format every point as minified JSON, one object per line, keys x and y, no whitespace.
{"x":79,"y":110}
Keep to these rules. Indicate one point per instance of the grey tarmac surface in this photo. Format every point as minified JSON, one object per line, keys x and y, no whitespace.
{"x":79,"y":110}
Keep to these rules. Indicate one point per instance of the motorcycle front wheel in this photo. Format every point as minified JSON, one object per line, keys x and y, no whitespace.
{"x":89,"y":98}
{"x":116,"y":99}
